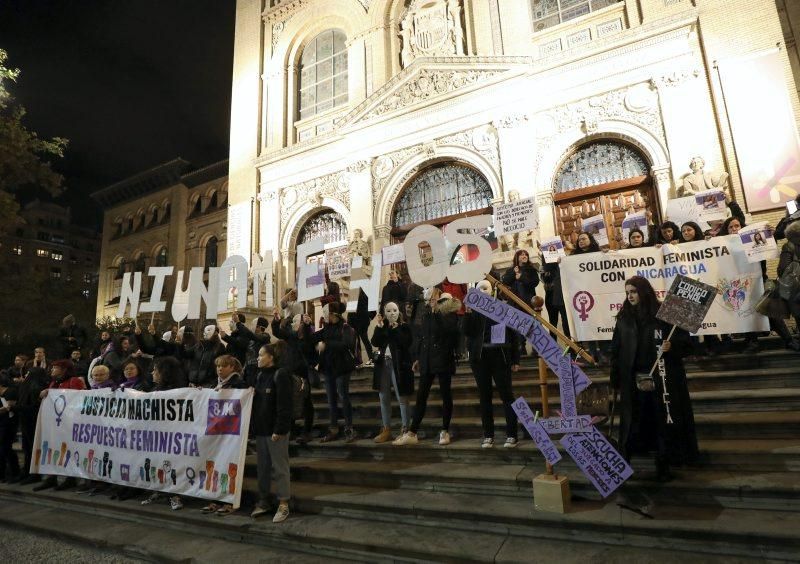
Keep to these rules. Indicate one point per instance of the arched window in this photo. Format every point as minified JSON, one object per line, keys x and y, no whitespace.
{"x":140,"y":264}
{"x":599,"y":162}
{"x":161,"y":257}
{"x":214,"y":201}
{"x":194,"y":206}
{"x":548,"y":13}
{"x":442,"y":191}
{"x":326,"y":224}
{"x":166,"y":212}
{"x":323,"y":73}
{"x":211,"y":252}
{"x":122,"y":267}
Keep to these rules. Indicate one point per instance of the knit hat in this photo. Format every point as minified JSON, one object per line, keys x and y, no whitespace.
{"x":262,"y":322}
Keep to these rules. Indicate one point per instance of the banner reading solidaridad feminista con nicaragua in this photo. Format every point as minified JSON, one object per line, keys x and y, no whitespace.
{"x":594,"y":291}
{"x":188,"y":441}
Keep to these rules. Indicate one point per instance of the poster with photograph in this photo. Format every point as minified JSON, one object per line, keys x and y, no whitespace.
{"x":552,"y":249}
{"x":337,"y":261}
{"x":711,"y":205}
{"x":637,"y":220}
{"x":758,"y":242}
{"x":596,"y":226}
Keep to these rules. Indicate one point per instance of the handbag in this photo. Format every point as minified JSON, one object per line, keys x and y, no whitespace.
{"x":644,"y":382}
{"x":771,"y":304}
{"x":789,"y":282}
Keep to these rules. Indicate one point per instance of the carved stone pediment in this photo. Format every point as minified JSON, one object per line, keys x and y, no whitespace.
{"x":431,"y":28}
{"x":429,"y":79}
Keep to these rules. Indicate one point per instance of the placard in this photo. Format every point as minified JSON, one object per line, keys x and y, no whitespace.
{"x":637,"y":220}
{"x":687,"y":303}
{"x":521,"y":215}
{"x":552,"y":249}
{"x":596,"y":226}
{"x":758,"y":242}
{"x":393,"y":254}
{"x":598,"y":460}
{"x":711,"y":205}
{"x":337,"y":262}
{"x":684,"y":210}
{"x":535,"y":430}
{"x":189,"y":441}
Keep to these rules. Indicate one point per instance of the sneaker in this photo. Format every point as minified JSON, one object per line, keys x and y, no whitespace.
{"x":488,"y":442}
{"x":258,"y":511}
{"x":349,"y":435}
{"x":444,"y":438}
{"x":511,"y":442}
{"x":152,"y":498}
{"x":175,"y":503}
{"x":406,"y":439}
{"x":281,"y":514}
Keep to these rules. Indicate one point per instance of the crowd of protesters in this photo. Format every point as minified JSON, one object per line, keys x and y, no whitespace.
{"x":416,"y":331}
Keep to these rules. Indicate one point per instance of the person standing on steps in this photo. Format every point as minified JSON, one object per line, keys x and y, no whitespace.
{"x":643,"y":412}
{"x":270,"y":425}
{"x":392,"y":338}
{"x":522,"y":279}
{"x":335,"y":343}
{"x":393,"y":291}
{"x":29,"y":391}
{"x":435,"y":351}
{"x":493,"y":357}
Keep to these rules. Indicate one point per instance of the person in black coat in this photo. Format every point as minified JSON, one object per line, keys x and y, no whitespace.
{"x":335,"y":343}
{"x":643,"y":410}
{"x":359,"y":320}
{"x":394,"y":291}
{"x":553,"y":295}
{"x":253,"y":341}
{"x":235,"y":342}
{"x":522,"y":279}
{"x":434,"y":352}
{"x":298,"y":357}
{"x":392,"y":338}
{"x":71,"y":336}
{"x":271,"y":422}
{"x":9,"y":461}
{"x":27,"y":409}
{"x":492,"y":361}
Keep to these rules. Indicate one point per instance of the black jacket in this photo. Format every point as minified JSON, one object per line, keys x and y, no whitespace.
{"x":551,"y":276}
{"x":398,"y":340}
{"x":235,"y":382}
{"x":338,"y":356}
{"x":272,"y":402}
{"x":71,"y":338}
{"x":478,"y":331}
{"x":299,"y":347}
{"x":525,"y":287}
{"x":437,"y":339}
{"x":393,"y":292}
{"x":28,"y":392}
{"x":199,"y":360}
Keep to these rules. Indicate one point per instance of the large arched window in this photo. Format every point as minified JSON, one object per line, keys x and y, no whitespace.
{"x":211,"y":253}
{"x":442,"y":191}
{"x":599,"y":162}
{"x":323,"y":73}
{"x":326,"y":224}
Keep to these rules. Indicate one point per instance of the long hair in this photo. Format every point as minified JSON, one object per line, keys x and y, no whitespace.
{"x":698,"y":232}
{"x":676,"y":232}
{"x":518,"y":253}
{"x":277,"y":351}
{"x":724,"y":230}
{"x":640,"y":232}
{"x":171,"y":372}
{"x":592,"y":248}
{"x":648,"y":302}
{"x":126,"y":362}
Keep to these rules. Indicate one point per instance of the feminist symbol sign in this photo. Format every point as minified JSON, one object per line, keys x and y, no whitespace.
{"x":59,"y":405}
{"x":583,"y":302}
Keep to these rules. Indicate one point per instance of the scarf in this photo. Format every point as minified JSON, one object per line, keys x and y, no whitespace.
{"x":222,"y":383}
{"x":129,"y":383}
{"x":101,"y":385}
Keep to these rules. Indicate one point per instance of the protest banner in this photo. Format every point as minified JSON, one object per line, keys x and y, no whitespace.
{"x":513,"y":217}
{"x":686,"y":304}
{"x":393,"y":254}
{"x":189,"y":441}
{"x":636,"y":220}
{"x":711,"y":205}
{"x":594,"y":285}
{"x":758,"y":242}
{"x":552,"y":249}
{"x":596,"y":226}
{"x":536,"y":431}
{"x":337,"y":262}
{"x":597,"y":459}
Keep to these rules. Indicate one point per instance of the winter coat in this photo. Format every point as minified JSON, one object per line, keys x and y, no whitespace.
{"x":272,"y":402}
{"x":780,"y":230}
{"x":398,"y":341}
{"x":254,"y":341}
{"x":340,"y":343}
{"x":235,"y":382}
{"x":437,"y":338}
{"x":634,"y":348}
{"x":790,"y":252}
{"x":393,"y":292}
{"x":525,"y":287}
{"x":198,"y":361}
{"x":28,"y":392}
{"x":551,"y":276}
{"x":75,"y":332}
{"x":299,"y":348}
{"x":360,"y":319}
{"x":458,"y":291}
{"x":477,"y":328}
{"x":72,"y":383}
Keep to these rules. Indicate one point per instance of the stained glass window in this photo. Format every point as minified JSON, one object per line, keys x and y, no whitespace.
{"x":323,"y":73}
{"x":547,"y":13}
{"x":327,"y":224}
{"x":599,"y":163}
{"x":442,"y":191}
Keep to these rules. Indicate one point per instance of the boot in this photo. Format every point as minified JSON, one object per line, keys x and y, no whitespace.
{"x":333,"y":434}
{"x":384,"y":436}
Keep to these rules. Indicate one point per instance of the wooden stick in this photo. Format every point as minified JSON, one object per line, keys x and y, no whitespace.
{"x":529,"y":310}
{"x":661,"y":352}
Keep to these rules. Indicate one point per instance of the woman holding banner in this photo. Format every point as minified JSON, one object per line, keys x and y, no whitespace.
{"x":652,"y":419}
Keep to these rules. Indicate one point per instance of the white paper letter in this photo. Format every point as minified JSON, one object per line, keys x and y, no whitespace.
{"x":305,"y":271}
{"x":262,"y":271}
{"x":426,"y":276}
{"x":130,"y":294}
{"x":159,"y":273}
{"x":371,"y":285}
{"x":474,"y":270}
{"x":232,"y":274}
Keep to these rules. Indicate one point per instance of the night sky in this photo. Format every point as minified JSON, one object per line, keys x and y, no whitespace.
{"x":131,"y":84}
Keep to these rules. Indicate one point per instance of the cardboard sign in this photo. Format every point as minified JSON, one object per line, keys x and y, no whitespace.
{"x":636,"y":220}
{"x":711,"y":205}
{"x":316,"y":288}
{"x":598,"y":460}
{"x":516,"y":216}
{"x":683,"y":210}
{"x":337,"y":262}
{"x":596,"y":225}
{"x":687,"y":303}
{"x":393,"y":254}
{"x":536,"y":431}
{"x":498,"y":334}
{"x":758,"y":242}
{"x":552,"y":249}
{"x":566,"y":387}
{"x":564,"y":425}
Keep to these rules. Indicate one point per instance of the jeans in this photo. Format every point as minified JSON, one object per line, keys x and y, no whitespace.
{"x":337,"y":386}
{"x":424,"y":390}
{"x":492,"y":365}
{"x":272,"y":464}
{"x":389,"y":380}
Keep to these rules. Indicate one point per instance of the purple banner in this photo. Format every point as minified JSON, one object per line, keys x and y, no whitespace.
{"x":536,"y":431}
{"x":563,"y":425}
{"x":580,"y":379}
{"x":566,"y":386}
{"x":598,"y":460}
{"x":499,"y":311}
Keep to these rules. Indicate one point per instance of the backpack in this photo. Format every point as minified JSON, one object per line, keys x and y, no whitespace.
{"x":300,"y":392}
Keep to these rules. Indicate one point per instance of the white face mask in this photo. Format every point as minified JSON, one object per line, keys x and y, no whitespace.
{"x":485,"y":287}
{"x":426,"y":293}
{"x":209,"y":331}
{"x":392,"y":312}
{"x":296,"y":322}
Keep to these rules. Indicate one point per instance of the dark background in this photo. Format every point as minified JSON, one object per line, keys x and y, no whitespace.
{"x":131,"y":84}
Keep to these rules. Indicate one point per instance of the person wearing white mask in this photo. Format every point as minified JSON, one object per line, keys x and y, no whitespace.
{"x":392,"y":370}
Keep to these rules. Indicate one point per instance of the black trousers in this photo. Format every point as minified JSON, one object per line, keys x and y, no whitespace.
{"x":9,"y":463}
{"x":553,"y":313}
{"x":27,"y":427}
{"x":492,"y":366}
{"x":361,"y":333}
{"x":424,"y":390}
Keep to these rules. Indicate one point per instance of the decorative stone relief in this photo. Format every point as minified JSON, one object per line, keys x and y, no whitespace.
{"x":550,"y":48}
{"x":267,"y":196}
{"x":382,"y":167}
{"x":365,"y":4}
{"x":579,"y":38}
{"x":698,"y":180}
{"x":382,"y":231}
{"x":358,"y":166}
{"x":431,"y":28}
{"x":641,"y":98}
{"x":675,"y":78}
{"x":336,"y":186}
{"x":609,"y":28}
{"x":484,"y":138}
{"x":510,"y":121}
{"x":544,"y":199}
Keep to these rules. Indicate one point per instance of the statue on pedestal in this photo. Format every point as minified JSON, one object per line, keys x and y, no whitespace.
{"x":359,"y":247}
{"x":699,"y":180}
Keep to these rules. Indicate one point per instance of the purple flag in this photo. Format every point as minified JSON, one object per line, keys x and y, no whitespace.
{"x":597,"y":459}
{"x":536,"y":431}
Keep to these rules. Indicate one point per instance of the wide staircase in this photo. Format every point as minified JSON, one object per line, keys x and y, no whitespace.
{"x":460,"y":503}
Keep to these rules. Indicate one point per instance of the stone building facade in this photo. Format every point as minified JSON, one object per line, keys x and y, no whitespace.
{"x":170,"y":215}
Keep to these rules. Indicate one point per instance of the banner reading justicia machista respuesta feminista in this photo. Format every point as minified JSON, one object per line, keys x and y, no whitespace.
{"x":187,"y":441}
